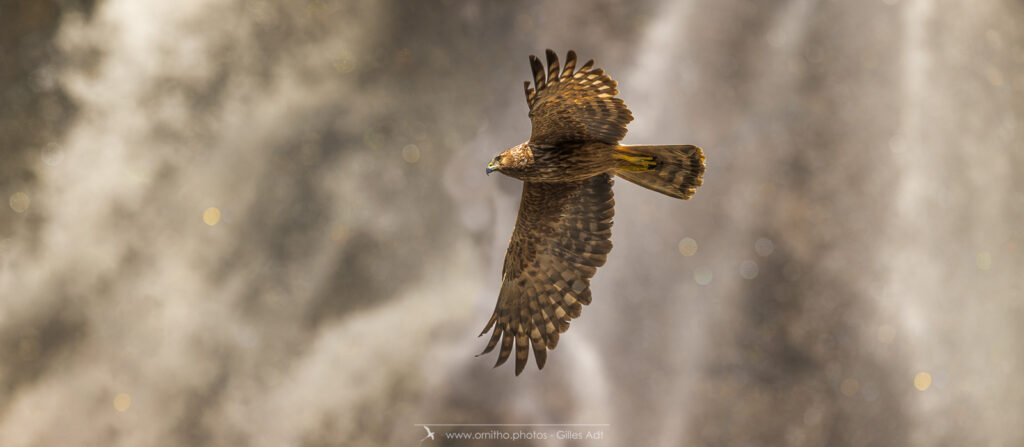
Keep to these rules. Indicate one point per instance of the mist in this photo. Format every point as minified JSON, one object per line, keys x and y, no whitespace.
{"x":232,"y":222}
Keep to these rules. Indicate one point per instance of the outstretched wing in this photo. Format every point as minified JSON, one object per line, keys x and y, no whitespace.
{"x":562,"y":236}
{"x":574,"y":106}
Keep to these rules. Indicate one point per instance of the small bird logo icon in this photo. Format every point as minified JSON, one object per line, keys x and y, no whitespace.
{"x":430,"y":434}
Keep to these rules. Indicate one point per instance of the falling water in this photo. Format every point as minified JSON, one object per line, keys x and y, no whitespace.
{"x":255,"y":223}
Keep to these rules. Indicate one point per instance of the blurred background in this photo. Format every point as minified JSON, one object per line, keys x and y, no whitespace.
{"x":243,"y":222}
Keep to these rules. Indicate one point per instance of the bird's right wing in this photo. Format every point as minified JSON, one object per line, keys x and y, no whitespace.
{"x":570,"y":105}
{"x":562,"y":236}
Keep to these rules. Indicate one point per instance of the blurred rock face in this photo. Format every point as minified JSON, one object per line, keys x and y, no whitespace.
{"x":252,"y":223}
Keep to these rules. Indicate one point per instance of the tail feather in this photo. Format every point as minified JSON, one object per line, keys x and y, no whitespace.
{"x":677,"y":170}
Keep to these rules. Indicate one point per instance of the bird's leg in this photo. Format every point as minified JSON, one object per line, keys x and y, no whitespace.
{"x":636,"y":163}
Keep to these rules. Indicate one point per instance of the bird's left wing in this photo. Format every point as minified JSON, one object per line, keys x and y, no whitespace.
{"x":562,"y":236}
{"x":568,"y":105}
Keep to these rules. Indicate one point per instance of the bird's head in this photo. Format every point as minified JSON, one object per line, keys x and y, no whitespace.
{"x":494,"y":165}
{"x":511,"y":161}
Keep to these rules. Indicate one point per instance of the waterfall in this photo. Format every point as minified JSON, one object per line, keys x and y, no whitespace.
{"x":235,"y":222}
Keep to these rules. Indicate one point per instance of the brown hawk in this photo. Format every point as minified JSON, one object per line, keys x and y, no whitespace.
{"x":563,"y":231}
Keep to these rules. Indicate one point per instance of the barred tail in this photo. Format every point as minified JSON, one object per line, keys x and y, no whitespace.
{"x":677,"y":170}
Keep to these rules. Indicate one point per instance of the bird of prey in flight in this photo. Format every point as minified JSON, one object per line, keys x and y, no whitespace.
{"x":563,"y":231}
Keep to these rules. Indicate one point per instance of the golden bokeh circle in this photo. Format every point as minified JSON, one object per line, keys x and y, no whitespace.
{"x":211,"y":216}
{"x":19,"y":202}
{"x":703,"y":276}
{"x":922,"y":381}
{"x":688,"y":246}
{"x":983,"y":260}
{"x":849,"y":387}
{"x":122,"y":402}
{"x":411,"y":153}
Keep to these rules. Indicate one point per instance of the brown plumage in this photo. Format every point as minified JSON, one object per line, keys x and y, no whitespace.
{"x":563,"y":231}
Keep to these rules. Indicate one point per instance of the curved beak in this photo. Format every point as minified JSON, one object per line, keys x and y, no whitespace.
{"x":491,"y":167}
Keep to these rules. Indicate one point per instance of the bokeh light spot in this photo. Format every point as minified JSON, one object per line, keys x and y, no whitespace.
{"x":52,"y":155}
{"x":764,"y":247}
{"x":703,"y":276}
{"x":922,"y":381}
{"x":983,"y":260}
{"x":122,"y":402}
{"x":813,"y":415}
{"x":688,"y":246}
{"x":411,"y":153}
{"x":19,"y":202}
{"x":211,"y":216}
{"x":849,"y":387}
{"x":748,"y":269}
